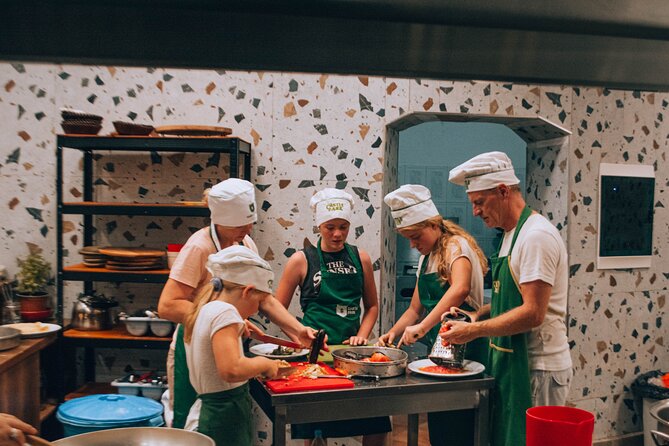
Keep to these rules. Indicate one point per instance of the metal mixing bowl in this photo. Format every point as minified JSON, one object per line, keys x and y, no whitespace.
{"x":396,"y":366}
{"x":9,"y":338}
{"x":138,"y":436}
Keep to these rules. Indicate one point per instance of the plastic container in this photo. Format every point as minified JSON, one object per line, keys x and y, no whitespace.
{"x":148,"y":390}
{"x":161,"y":327}
{"x":558,"y":426}
{"x":136,"y":326}
{"x":108,"y":411}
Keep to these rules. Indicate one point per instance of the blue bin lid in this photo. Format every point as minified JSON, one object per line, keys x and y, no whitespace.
{"x":108,"y":409}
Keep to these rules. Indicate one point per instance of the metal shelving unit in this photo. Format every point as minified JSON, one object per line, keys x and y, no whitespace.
{"x":239,"y":152}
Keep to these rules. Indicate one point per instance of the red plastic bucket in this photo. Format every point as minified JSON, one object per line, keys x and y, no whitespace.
{"x":558,"y":426}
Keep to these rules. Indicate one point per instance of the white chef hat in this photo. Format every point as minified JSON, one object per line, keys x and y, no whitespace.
{"x":239,"y":264}
{"x":233,"y":203}
{"x":410,"y":204}
{"x":484,"y":171}
{"x":330,"y":203}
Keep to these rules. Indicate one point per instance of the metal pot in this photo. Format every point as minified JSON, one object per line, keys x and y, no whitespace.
{"x":9,"y":338}
{"x":343,"y":358}
{"x":138,"y":436}
{"x":660,"y":411}
{"x":93,"y":312}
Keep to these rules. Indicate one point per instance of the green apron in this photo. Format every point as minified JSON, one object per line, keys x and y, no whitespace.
{"x":337,"y":308}
{"x":509,"y":363}
{"x":456,"y":427}
{"x":184,"y":394}
{"x":430,"y":292}
{"x":226,"y":417}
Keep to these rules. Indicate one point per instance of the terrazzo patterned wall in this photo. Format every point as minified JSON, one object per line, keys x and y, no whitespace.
{"x":310,"y":131}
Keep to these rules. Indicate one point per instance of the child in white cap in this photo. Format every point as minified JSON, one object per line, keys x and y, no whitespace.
{"x":450,"y":274}
{"x":233,"y":213}
{"x":334,"y":279}
{"x":219,"y":371}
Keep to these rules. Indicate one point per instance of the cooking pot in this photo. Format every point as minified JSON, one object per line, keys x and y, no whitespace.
{"x":93,"y":312}
{"x":138,"y":436}
{"x":9,"y":338}
{"x":350,"y":360}
{"x":660,"y":411}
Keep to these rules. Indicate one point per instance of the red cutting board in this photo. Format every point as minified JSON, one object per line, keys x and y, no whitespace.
{"x":304,"y":384}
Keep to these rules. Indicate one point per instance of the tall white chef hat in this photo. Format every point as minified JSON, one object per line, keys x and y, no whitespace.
{"x":484,"y":171}
{"x":410,"y":204}
{"x":233,"y":203}
{"x":330,"y":203}
{"x":241,"y":265}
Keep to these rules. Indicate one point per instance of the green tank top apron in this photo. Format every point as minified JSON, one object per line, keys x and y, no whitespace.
{"x":430,"y":292}
{"x":184,"y":393}
{"x":337,"y":308}
{"x":456,"y":427}
{"x":509,"y":363}
{"x":226,"y":417}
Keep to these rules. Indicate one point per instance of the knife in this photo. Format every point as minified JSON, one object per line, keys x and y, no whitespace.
{"x":360,"y":376}
{"x":275,"y":340}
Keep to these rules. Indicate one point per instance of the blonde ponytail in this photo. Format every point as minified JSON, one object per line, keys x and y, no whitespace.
{"x":441,"y":249}
{"x":204,"y":296}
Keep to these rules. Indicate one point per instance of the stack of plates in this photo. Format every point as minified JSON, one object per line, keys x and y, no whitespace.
{"x":133,"y":259}
{"x":79,"y":122}
{"x":92,"y":257}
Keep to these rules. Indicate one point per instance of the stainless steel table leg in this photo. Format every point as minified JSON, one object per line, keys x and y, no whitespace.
{"x":279,"y":427}
{"x":482,"y":420}
{"x":412,"y":429}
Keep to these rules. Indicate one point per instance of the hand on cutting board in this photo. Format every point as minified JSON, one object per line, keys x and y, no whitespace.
{"x":386,"y":340}
{"x":356,"y":340}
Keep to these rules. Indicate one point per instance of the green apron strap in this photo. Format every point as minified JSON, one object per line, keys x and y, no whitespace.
{"x":508,"y":361}
{"x":184,"y":394}
{"x":226,"y":417}
{"x":337,"y":308}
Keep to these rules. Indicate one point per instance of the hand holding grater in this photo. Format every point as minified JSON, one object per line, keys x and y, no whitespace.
{"x":446,"y":354}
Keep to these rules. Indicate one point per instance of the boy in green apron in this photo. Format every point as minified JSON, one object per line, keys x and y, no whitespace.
{"x":450,"y":274}
{"x":334,"y":278}
{"x":527,"y":328}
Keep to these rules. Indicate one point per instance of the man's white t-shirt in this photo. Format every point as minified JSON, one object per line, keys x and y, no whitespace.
{"x":540,"y":254}
{"x":459,"y":247}
{"x":202,"y":370}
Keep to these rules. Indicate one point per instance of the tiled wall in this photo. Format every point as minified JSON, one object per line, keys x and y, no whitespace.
{"x":310,"y":131}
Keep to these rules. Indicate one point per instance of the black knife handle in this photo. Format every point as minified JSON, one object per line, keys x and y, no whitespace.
{"x":316,"y":346}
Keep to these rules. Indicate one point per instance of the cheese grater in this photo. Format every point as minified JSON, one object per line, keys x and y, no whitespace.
{"x":449,"y":355}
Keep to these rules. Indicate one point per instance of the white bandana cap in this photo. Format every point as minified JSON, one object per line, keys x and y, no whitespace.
{"x":484,"y":171}
{"x":241,"y":265}
{"x":233,"y":203}
{"x":330,"y":203}
{"x":410,"y":204}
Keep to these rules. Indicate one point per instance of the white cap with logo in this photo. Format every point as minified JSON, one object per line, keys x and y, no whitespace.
{"x":233,"y":203}
{"x":241,"y":265}
{"x":331,"y":203}
{"x":410,"y":204}
{"x":484,"y":171}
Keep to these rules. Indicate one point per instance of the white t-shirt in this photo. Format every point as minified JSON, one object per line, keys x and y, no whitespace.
{"x":459,"y":247}
{"x":202,"y":369}
{"x":540,"y":254}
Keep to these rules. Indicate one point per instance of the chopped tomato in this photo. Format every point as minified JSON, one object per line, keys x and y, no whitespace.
{"x":440,"y":369}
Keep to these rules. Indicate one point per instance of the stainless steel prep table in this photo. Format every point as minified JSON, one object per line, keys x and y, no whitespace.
{"x":408,"y":394}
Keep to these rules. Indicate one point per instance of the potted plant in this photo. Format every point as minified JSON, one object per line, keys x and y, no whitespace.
{"x":32,"y":279}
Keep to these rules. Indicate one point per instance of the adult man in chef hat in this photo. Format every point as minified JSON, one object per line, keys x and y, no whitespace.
{"x":233,"y":213}
{"x":526,"y":325}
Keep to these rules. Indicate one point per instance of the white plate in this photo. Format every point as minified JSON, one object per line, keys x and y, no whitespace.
{"x":34,"y":329}
{"x":267,"y":349}
{"x":470,"y":368}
